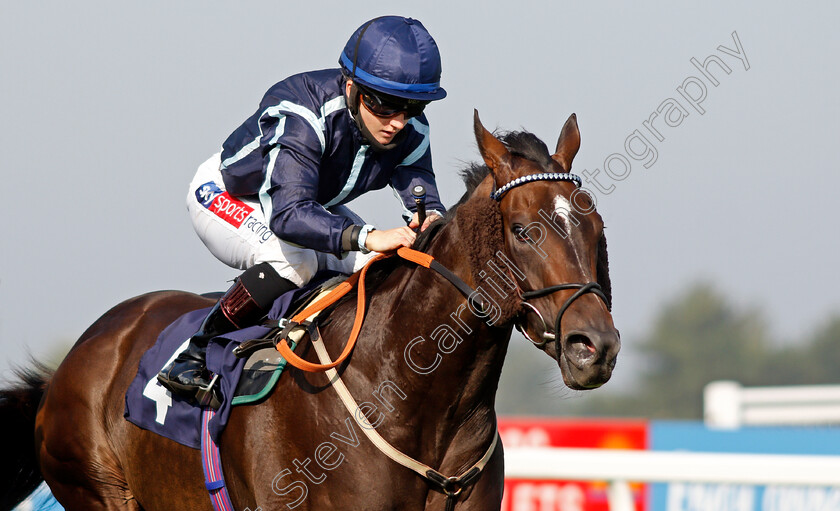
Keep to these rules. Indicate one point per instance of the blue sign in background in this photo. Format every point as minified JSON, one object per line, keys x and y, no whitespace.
{"x":694,"y":436}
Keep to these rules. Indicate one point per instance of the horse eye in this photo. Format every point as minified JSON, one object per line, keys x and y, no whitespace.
{"x":519,"y":233}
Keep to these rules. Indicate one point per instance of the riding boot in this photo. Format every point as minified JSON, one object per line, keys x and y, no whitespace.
{"x":250,"y":298}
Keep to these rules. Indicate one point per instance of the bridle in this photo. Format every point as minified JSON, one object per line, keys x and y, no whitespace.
{"x":582,"y":289}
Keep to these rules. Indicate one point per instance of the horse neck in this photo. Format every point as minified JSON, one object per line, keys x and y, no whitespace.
{"x":454,"y":359}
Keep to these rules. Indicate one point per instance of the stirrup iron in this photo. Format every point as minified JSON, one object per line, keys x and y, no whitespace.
{"x":205,"y":396}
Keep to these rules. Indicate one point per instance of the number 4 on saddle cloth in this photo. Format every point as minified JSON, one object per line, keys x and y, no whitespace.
{"x":241,"y":380}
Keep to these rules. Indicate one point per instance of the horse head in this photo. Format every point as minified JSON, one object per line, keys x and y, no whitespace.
{"x":555,"y":239}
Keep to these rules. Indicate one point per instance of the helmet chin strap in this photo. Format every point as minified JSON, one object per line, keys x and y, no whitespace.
{"x":353,"y":105}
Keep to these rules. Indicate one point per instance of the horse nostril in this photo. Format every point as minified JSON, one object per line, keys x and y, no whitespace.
{"x":580,"y":348}
{"x":588,"y":357}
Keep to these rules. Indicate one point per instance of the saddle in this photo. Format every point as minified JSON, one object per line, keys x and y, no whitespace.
{"x":246,"y":360}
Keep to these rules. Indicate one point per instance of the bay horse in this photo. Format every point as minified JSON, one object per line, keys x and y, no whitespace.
{"x":427,"y":366}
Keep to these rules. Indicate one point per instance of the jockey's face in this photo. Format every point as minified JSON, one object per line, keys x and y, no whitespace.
{"x":383,"y":129}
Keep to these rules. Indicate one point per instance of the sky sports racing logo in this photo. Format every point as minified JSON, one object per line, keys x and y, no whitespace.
{"x":206,"y":193}
{"x":222,"y":204}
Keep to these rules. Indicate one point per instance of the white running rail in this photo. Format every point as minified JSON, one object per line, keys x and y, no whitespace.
{"x":621,"y":467}
{"x":728,"y":405}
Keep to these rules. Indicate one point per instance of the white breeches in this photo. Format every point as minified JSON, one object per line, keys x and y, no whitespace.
{"x":236,"y":232}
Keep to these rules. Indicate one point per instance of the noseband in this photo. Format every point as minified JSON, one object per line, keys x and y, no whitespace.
{"x":582,"y":289}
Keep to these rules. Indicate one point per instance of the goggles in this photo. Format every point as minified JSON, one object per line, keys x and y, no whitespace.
{"x":390,"y":106}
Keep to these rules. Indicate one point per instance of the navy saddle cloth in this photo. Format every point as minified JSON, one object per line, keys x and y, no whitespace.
{"x":150,"y":406}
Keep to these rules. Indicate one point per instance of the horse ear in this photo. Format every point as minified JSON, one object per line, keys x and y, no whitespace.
{"x":494,"y":152}
{"x":568,"y":144}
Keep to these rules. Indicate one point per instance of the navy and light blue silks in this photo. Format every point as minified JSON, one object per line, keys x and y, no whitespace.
{"x":302,"y":152}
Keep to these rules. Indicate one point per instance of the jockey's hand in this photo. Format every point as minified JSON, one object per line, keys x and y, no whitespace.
{"x":431,"y":217}
{"x":392,"y":239}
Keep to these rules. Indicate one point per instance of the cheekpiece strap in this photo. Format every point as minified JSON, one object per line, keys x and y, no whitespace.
{"x":546,"y":176}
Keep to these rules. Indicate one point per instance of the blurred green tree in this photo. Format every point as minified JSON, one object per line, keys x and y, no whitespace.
{"x":819,"y":361}
{"x":697,"y":338}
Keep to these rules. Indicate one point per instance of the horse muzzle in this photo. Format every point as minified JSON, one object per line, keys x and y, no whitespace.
{"x":586,"y":353}
{"x":587,"y":357}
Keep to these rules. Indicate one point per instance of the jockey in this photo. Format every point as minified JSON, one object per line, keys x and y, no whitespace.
{"x":272,"y":202}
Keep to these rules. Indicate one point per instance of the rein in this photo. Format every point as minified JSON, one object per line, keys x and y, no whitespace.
{"x":334,"y":295}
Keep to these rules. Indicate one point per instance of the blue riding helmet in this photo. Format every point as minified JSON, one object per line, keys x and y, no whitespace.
{"x":395,"y":56}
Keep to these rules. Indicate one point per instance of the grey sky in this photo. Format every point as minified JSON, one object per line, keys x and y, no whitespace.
{"x":106,"y":110}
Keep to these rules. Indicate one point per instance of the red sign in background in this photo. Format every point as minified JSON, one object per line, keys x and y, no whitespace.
{"x":536,"y":495}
